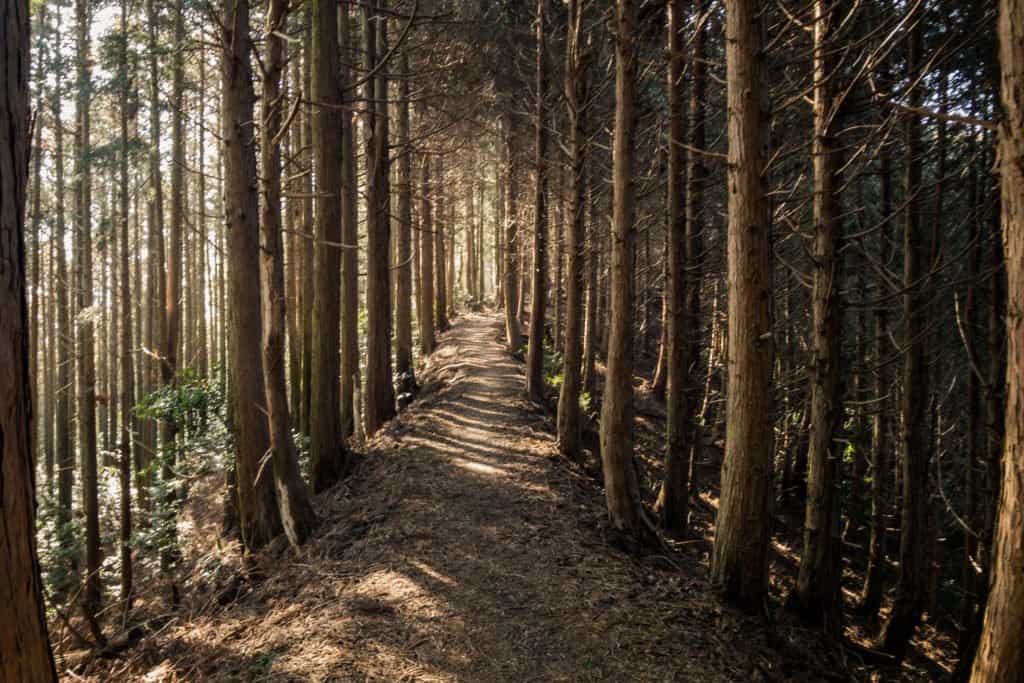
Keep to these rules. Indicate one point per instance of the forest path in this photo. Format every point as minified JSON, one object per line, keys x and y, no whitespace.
{"x":464,"y":549}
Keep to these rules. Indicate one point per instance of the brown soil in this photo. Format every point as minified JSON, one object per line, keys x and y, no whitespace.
{"x":463,"y":549}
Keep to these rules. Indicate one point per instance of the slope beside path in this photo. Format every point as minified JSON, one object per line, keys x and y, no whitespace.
{"x":463,"y":549}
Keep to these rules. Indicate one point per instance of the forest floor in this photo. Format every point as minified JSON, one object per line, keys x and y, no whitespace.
{"x":462,"y":548}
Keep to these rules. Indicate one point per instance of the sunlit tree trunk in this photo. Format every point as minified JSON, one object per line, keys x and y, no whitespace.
{"x":1000,"y":658}
{"x":257,"y":504}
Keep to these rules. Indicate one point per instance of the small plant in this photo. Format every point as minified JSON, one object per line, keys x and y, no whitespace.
{"x":554,"y":366}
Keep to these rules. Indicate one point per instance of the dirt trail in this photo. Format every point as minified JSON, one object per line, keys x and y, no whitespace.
{"x":463,"y":549}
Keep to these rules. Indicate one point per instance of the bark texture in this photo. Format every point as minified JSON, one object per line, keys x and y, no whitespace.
{"x":569,"y":413}
{"x":257,"y":504}
{"x":24,"y":644}
{"x":327,"y":439}
{"x":817,"y":590}
{"x":739,"y":562}
{"x":380,"y":391}
{"x":1000,"y":658}
{"x":294,"y":506}
{"x":622,"y":490}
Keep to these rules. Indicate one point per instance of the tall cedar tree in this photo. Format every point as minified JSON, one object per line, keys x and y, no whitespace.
{"x":327,"y":440}
{"x":65,"y":452}
{"x":440,"y":248}
{"x":539,"y":300}
{"x":569,"y":413}
{"x":257,"y":505}
{"x":23,"y":638}
{"x":674,"y":498}
{"x":403,"y":291}
{"x":1000,"y":658}
{"x":511,"y":284}
{"x":911,"y":587}
{"x":127,"y":400}
{"x":380,"y":391}
{"x":739,"y":568}
{"x":173,"y":292}
{"x":622,"y":490}
{"x":426,"y":288}
{"x":86,"y":366}
{"x":817,"y":591}
{"x":296,"y":510}
{"x":349,"y":236}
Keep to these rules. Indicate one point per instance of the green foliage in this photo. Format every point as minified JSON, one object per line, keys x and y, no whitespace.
{"x":198,"y":407}
{"x":59,"y":547}
{"x":190,"y":403}
{"x":553,"y":366}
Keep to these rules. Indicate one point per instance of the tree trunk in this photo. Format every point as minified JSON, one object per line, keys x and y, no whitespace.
{"x":969,"y":577}
{"x":538,"y":303}
{"x":293,"y":262}
{"x":441,"y":269}
{"x":871,"y":595}
{"x":1000,"y":657}
{"x":127,"y":404}
{"x":65,"y":451}
{"x":674,"y":497}
{"x":817,"y":595}
{"x":403,"y":299}
{"x":695,"y":178}
{"x":327,"y":439}
{"x":350,"y":236}
{"x":257,"y":507}
{"x":576,"y":93}
{"x":912,"y":584}
{"x":86,"y":366}
{"x":157,"y":281}
{"x":511,"y":269}
{"x":379,"y":399}
{"x":739,"y":562}
{"x":296,"y":510}
{"x":23,"y":637}
{"x":201,"y":362}
{"x":307,"y":285}
{"x":426,"y":303}
{"x":593,"y":257}
{"x":622,"y":490}
{"x":172,"y":302}
{"x":499,"y":223}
